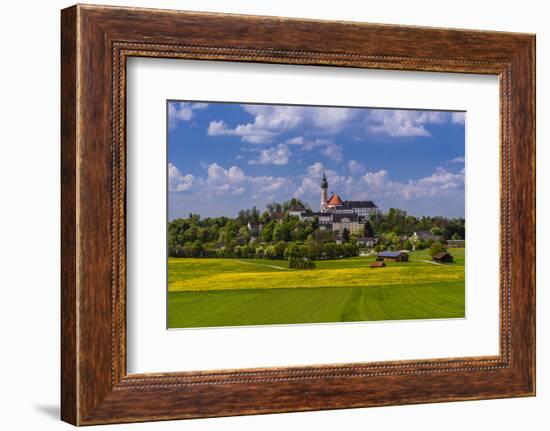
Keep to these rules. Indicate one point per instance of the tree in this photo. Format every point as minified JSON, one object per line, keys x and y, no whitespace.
{"x":435,"y":230}
{"x":330,"y":250}
{"x":379,"y":247}
{"x":255,"y":215}
{"x":420,"y":245}
{"x":267,"y":232}
{"x":437,"y":247}
{"x":369,"y":231}
{"x":265,"y":217}
{"x":292,"y":251}
{"x":244,"y":235}
{"x":279,"y":250}
{"x":197,"y":248}
{"x":455,"y":236}
{"x":297,"y":263}
{"x":345,"y":234}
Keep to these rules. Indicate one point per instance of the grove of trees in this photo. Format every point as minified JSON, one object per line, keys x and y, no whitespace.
{"x":282,"y":236}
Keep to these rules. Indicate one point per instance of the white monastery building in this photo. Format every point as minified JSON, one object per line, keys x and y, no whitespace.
{"x":336,"y":214}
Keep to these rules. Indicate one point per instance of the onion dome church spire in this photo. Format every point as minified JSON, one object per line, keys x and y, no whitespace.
{"x":324,"y":182}
{"x":324,"y":194}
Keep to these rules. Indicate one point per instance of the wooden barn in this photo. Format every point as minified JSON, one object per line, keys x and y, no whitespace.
{"x":393,"y":256}
{"x":442,"y":257}
{"x":377,"y":264}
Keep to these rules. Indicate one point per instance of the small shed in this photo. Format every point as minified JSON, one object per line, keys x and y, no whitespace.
{"x":393,"y":256}
{"x":377,"y":264}
{"x":442,"y":257}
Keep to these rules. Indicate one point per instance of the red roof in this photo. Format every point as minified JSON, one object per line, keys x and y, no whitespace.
{"x":335,"y":201}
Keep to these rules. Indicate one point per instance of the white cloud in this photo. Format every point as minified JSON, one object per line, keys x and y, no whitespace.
{"x":378,"y":185}
{"x":457,"y":160}
{"x":220,"y":182}
{"x":441,"y":182}
{"x":278,"y":155}
{"x":218,"y":128}
{"x":376,"y":180}
{"x":234,"y":181}
{"x":332,"y":119}
{"x":274,"y":117}
{"x":458,"y":117}
{"x":326,"y":147}
{"x":333,"y":152}
{"x":403,"y":123}
{"x":183,"y":111}
{"x":247,"y":132}
{"x":178,"y":182}
{"x":271,"y":120}
{"x":355,"y":168}
{"x":310,"y":182}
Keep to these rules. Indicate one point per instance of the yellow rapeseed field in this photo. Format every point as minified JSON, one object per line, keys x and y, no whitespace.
{"x":345,"y":277}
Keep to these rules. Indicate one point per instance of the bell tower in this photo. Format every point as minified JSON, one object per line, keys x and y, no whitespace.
{"x":324,"y":193}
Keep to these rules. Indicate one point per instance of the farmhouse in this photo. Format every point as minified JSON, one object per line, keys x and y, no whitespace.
{"x":377,"y":264}
{"x":393,"y":256}
{"x":442,"y":257}
{"x":296,"y":209}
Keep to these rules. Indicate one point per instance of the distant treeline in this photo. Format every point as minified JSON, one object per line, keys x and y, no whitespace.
{"x":274,"y":234}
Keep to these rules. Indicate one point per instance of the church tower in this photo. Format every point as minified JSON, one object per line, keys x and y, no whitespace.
{"x":324,"y":193}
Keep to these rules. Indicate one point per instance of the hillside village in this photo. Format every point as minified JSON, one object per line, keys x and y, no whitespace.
{"x":341,"y":228}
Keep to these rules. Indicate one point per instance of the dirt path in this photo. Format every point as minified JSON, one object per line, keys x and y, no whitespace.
{"x":428,"y":261}
{"x":265,"y":264}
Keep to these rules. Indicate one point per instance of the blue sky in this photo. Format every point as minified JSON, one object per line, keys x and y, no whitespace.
{"x":223,"y":157}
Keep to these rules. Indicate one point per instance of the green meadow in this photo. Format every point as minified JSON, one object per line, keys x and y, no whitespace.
{"x":234,"y":292}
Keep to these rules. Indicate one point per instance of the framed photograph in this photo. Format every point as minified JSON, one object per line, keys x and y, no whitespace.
{"x":264,"y":214}
{"x":250,"y":200}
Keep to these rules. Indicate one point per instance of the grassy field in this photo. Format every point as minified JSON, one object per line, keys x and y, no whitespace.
{"x":230,"y":292}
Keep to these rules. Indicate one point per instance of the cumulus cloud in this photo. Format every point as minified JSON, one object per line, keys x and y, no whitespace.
{"x":178,"y":182}
{"x":333,"y":152}
{"x":271,"y":120}
{"x":376,"y":180}
{"x":275,"y":117}
{"x":441,"y":182}
{"x":220,"y":181}
{"x":234,"y":181}
{"x":356,"y":168}
{"x":310,"y":182}
{"x":247,"y":132}
{"x":378,"y":185}
{"x":332,"y":119}
{"x":458,"y":117}
{"x":457,"y":160}
{"x":278,"y":155}
{"x":327,"y":147}
{"x":183,"y":111}
{"x":403,"y":123}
